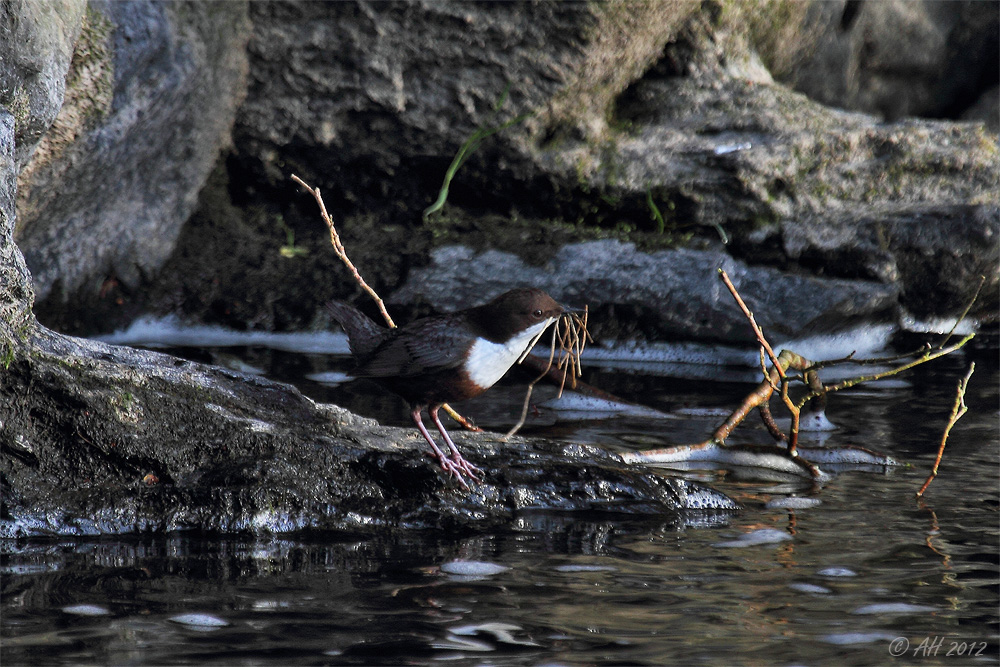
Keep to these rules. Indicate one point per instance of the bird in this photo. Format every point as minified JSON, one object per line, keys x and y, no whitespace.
{"x":448,"y":358}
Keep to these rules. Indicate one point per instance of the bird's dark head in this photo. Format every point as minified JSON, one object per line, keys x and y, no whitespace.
{"x":516,"y":311}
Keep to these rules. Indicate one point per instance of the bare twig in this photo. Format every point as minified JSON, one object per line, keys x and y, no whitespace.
{"x":957,"y":411}
{"x":772,"y":427}
{"x":338,"y":248}
{"x":793,"y":409}
{"x":777,"y":379}
{"x":927,"y":356}
{"x":753,"y":323}
{"x":871,"y":361}
{"x":462,"y":421}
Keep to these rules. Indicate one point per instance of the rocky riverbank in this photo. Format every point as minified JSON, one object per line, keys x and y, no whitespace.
{"x":147,"y":152}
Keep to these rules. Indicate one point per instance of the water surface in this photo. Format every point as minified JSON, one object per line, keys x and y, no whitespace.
{"x":852,"y":573}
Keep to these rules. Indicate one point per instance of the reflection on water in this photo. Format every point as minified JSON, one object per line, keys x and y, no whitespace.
{"x":802,"y":576}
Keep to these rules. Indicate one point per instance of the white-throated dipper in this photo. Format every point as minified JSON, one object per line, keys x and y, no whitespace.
{"x":447,"y":358}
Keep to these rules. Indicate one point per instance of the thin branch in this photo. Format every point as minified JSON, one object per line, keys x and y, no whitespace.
{"x":772,"y":427}
{"x":753,"y":322}
{"x":870,"y":361}
{"x":338,"y":248}
{"x":957,"y":411}
{"x":462,"y":421}
{"x":928,"y":356}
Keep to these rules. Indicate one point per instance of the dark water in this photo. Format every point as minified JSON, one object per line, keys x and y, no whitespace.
{"x":865,"y":574}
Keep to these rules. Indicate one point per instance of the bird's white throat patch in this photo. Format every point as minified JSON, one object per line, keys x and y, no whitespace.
{"x":488,"y":361}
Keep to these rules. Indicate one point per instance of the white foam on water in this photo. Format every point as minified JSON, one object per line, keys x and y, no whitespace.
{"x":938,"y":325}
{"x":893,"y":608}
{"x":853,"y":638}
{"x":803,"y":587}
{"x":756,"y":537}
{"x":735,"y":364}
{"x":171,"y":332}
{"x":199,"y":621}
{"x":572,"y":404}
{"x":502,"y":632}
{"x":585,"y":568}
{"x":472,"y":568}
{"x":792,"y":502}
{"x":331,"y":378}
{"x":667,"y":353}
{"x":867,"y":340}
{"x":816,"y":422}
{"x":86,"y":610}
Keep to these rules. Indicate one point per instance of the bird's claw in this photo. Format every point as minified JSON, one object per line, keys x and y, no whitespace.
{"x":452,"y":469}
{"x":460,"y":469}
{"x":474,"y":473}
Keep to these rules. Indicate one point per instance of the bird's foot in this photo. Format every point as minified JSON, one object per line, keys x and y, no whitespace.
{"x":472,"y":472}
{"x":453,"y":469}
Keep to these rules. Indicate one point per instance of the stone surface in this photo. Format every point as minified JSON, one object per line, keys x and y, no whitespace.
{"x":374,"y":94}
{"x":36,"y":44}
{"x":676,"y":292}
{"x":937,"y":254}
{"x":15,"y":282}
{"x":151,"y":96}
{"x":899,"y":58}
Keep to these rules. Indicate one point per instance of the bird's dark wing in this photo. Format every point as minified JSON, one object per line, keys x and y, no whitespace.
{"x":428,"y":345}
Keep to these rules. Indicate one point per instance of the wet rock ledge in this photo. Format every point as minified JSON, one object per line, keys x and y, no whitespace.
{"x":99,"y":439}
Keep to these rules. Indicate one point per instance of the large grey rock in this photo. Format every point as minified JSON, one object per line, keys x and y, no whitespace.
{"x":36,"y":44}
{"x":151,"y":97}
{"x":15,"y":283}
{"x":937,"y":253}
{"x":678,"y":290}
{"x":134,"y":441}
{"x":900,"y":58}
{"x":374,"y":92}
{"x":693,"y":122}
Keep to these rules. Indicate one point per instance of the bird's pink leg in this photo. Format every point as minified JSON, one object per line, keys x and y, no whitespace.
{"x":453,"y":468}
{"x":456,"y":456}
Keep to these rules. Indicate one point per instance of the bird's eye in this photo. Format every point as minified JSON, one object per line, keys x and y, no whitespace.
{"x":537,"y":313}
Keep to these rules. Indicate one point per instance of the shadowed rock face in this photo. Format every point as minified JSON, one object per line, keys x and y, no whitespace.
{"x":39,"y":40}
{"x":670,"y":104}
{"x":150,"y":96}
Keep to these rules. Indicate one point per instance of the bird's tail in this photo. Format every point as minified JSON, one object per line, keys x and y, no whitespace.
{"x":362,"y":333}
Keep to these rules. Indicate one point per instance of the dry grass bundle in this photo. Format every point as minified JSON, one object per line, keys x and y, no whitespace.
{"x":570,"y":333}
